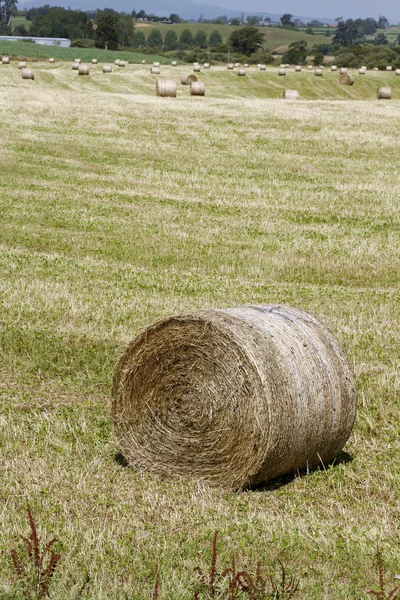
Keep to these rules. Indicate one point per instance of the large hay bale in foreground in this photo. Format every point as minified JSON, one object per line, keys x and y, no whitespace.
{"x":188,"y":79}
{"x":83,"y":70}
{"x":346,"y":79}
{"x":27,"y":74}
{"x":166,"y":87}
{"x":384,"y":93}
{"x":233,"y":397}
{"x":197,"y":88}
{"x":291,"y":94}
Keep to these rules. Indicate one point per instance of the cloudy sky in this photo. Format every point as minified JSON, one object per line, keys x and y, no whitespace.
{"x":319,"y":8}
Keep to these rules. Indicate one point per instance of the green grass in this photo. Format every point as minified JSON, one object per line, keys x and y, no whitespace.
{"x":15,"y":21}
{"x":32,"y":51}
{"x":119,"y":208}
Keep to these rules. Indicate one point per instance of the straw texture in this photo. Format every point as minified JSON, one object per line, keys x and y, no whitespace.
{"x":291,"y":94}
{"x":188,"y":79}
{"x":197,"y":88}
{"x":233,"y":397}
{"x":384,"y":93}
{"x":346,"y":79}
{"x":166,"y":87}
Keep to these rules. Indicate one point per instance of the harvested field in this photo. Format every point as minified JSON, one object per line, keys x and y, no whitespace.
{"x":107,"y":226}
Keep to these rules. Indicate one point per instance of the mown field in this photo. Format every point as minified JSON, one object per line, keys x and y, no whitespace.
{"x":119,"y":208}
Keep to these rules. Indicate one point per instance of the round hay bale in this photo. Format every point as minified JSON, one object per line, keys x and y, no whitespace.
{"x":309,"y":67}
{"x":318,"y":72}
{"x":51,"y":60}
{"x":375,"y":69}
{"x":195,"y":64}
{"x":156,"y":64}
{"x":388,"y":68}
{"x":297,"y":68}
{"x":197,"y":88}
{"x":188,"y":79}
{"x":116,"y":62}
{"x":77,"y":60}
{"x":94,"y":61}
{"x":22,"y":64}
{"x":258,"y":66}
{"x":28,"y":74}
{"x":206,"y":65}
{"x":197,"y":69}
{"x":384,"y":93}
{"x":346,"y":79}
{"x":75,"y":66}
{"x":237,"y":65}
{"x":233,"y":397}
{"x":246,"y":65}
{"x":263,"y":68}
{"x":397,"y":71}
{"x":333,"y":68}
{"x":291,"y":94}
{"x":281,"y":71}
{"x":144,"y":62}
{"x":343,"y":70}
{"x":230,"y":66}
{"x":287,"y":66}
{"x":155,"y":70}
{"x":121,"y":63}
{"x":174,"y":63}
{"x":166,"y":87}
{"x":282,"y":66}
{"x":5,"y":60}
{"x":107,"y":69}
{"x":242,"y":72}
{"x":361,"y":71}
{"x":83,"y":70}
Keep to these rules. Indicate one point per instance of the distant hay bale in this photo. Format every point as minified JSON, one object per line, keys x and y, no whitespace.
{"x":116,"y":62}
{"x":28,"y":74}
{"x":166,"y":88}
{"x":318,"y":72}
{"x":282,"y":66}
{"x":107,"y":69}
{"x":384,"y":93}
{"x":174,"y":63}
{"x":188,"y":79}
{"x":281,"y":71}
{"x":287,"y":66}
{"x":291,"y":94}
{"x":233,"y":397}
{"x":263,"y":68}
{"x":83,"y":70}
{"x":5,"y":60}
{"x":397,"y":71}
{"x":22,"y":64}
{"x":206,"y":65}
{"x":364,"y":67}
{"x":375,"y":69}
{"x":94,"y":61}
{"x":195,"y":64}
{"x":144,"y":62}
{"x":343,"y":70}
{"x":246,"y":65}
{"x":51,"y":60}
{"x":237,"y":65}
{"x":230,"y":67}
{"x":388,"y":68}
{"x":156,"y":64}
{"x":333,"y":68}
{"x":361,"y":71}
{"x":297,"y":68}
{"x":75,"y":66}
{"x":258,"y":66}
{"x":197,"y":88}
{"x":155,"y":70}
{"x":241,"y":72}
{"x":346,"y":79}
{"x":197,"y":69}
{"x":121,"y":63}
{"x":77,"y":60}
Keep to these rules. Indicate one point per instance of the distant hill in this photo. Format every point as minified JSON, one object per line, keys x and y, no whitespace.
{"x":184,"y":8}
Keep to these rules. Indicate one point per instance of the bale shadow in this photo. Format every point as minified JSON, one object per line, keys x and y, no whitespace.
{"x":278,"y":482}
{"x":120,"y":460}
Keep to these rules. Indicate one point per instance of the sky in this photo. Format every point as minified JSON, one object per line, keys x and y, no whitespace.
{"x":349,"y":9}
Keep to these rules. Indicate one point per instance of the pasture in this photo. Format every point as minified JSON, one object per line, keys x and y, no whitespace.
{"x":119,"y":208}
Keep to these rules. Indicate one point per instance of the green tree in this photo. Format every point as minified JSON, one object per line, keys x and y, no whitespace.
{"x":139,"y":40}
{"x":235,"y":22}
{"x":21,"y":30}
{"x":383,"y":23}
{"x":310,"y":31}
{"x":174,"y":18}
{"x":170,"y":40}
{"x":186,"y":39}
{"x":246,"y":40}
{"x":223,"y":20}
{"x":318,"y":59}
{"x":370,"y":26}
{"x":349,"y":33}
{"x":200,"y":39}
{"x":286,"y":20}
{"x":154,"y":39}
{"x":296,"y":54}
{"x":125,"y":30}
{"x":8,"y":8}
{"x":253,"y":20}
{"x":214,"y":39}
{"x":381,"y":40}
{"x":107,"y":35}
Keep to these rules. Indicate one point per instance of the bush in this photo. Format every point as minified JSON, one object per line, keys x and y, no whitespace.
{"x":82,"y":43}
